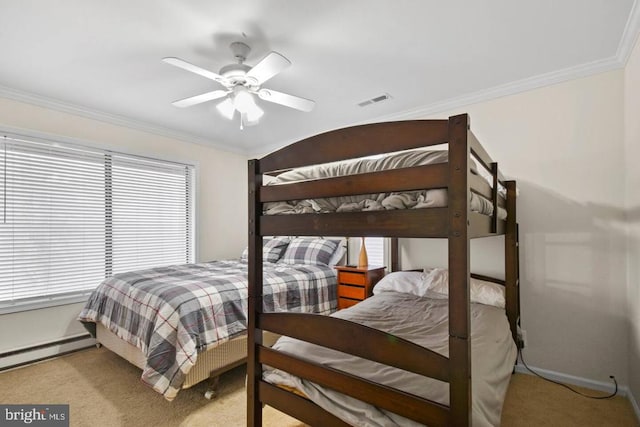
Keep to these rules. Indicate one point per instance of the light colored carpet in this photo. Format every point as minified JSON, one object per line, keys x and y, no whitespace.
{"x":533,"y":402}
{"x":104,"y":390}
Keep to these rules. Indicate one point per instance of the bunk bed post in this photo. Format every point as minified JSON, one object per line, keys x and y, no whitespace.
{"x":254,"y":369}
{"x":395,"y":254}
{"x":512,"y":280}
{"x":459,"y":274}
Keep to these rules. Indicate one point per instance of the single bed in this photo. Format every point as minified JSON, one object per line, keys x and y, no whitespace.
{"x":185,"y":323}
{"x":446,"y":361}
{"x":412,"y":306}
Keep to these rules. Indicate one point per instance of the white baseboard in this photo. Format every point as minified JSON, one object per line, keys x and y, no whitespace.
{"x":608,"y":387}
{"x":19,"y":358}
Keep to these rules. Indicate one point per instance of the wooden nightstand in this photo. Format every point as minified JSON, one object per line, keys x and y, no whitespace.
{"x":355,"y":284}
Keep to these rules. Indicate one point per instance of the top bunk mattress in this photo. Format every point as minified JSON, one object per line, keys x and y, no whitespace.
{"x":432,"y":198}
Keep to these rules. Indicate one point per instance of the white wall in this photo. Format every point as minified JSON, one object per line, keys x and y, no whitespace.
{"x":564,"y":145}
{"x":221,"y":202}
{"x":632,"y":146}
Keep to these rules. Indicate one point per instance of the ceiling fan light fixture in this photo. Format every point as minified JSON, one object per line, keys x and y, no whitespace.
{"x":254,"y":114}
{"x":241,"y":84}
{"x":226,"y":108}
{"x":247,"y":120}
{"x":243,"y":100}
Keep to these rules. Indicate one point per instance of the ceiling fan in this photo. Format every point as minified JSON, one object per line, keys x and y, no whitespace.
{"x":241,"y":84}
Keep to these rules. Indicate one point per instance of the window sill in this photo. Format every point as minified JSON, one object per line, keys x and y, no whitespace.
{"x":42,"y":302}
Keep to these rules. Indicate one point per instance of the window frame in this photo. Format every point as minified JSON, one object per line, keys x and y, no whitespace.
{"x":77,"y":297}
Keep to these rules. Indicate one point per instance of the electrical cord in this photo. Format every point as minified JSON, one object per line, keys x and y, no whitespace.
{"x":609,"y":396}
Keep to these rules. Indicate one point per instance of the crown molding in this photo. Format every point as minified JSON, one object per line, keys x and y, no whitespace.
{"x":630,"y":34}
{"x":548,"y":79}
{"x":535,"y":82}
{"x":113,"y":119}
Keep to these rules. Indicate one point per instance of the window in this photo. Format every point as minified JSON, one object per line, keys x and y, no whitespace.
{"x":72,"y":216}
{"x":375,"y":250}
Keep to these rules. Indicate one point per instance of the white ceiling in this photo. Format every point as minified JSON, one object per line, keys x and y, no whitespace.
{"x":102,"y":58}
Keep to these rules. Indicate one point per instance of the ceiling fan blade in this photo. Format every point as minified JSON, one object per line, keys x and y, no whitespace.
{"x":268,"y":67}
{"x":198,"y":99}
{"x":177,"y":62}
{"x":296,"y":102}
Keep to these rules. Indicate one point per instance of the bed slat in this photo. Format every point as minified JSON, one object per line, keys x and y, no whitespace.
{"x":359,"y":340}
{"x":480,"y":186}
{"x":357,"y":141}
{"x":298,"y":407}
{"x":428,"y":222}
{"x":404,"y":179}
{"x":407,"y":405}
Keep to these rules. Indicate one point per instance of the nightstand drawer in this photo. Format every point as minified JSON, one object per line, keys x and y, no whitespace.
{"x":355,"y":292}
{"x":346,"y":302}
{"x":356,"y":283}
{"x":352,"y":278}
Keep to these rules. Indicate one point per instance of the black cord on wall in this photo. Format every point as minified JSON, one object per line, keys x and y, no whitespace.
{"x":609,"y":396}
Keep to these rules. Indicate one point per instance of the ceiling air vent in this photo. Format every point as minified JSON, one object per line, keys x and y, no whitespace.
{"x":374,"y":100}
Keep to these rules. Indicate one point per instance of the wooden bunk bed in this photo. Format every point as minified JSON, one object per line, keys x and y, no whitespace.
{"x":455,"y":222}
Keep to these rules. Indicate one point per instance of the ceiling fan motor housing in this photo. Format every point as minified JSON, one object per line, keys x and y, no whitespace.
{"x":240,"y":50}
{"x":237,"y":74}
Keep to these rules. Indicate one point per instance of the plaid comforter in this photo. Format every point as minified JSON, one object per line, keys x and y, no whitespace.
{"x":172,"y":313}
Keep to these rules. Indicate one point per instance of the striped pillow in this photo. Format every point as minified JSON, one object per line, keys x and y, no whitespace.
{"x":309,"y":251}
{"x":272,"y":249}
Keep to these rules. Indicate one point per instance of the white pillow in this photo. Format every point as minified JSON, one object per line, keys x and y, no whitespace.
{"x":408,"y":282}
{"x":434,"y":283}
{"x":437,"y":284}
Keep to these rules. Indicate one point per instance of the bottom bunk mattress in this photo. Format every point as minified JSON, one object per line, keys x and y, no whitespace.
{"x":423,"y":321}
{"x":173,"y":313}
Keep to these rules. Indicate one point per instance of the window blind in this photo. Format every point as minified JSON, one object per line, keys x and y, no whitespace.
{"x":375,"y":250}
{"x":71,"y":216}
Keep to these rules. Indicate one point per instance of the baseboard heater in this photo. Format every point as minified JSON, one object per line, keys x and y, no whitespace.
{"x":23,"y":356}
